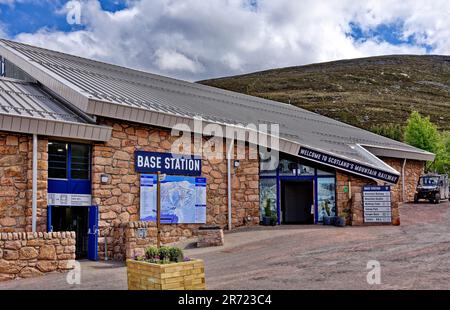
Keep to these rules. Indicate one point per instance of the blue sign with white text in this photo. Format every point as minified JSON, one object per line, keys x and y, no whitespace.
{"x":167,"y":163}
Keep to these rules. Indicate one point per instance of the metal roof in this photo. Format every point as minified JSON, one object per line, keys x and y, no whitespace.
{"x":108,"y":90}
{"x":27,"y":108}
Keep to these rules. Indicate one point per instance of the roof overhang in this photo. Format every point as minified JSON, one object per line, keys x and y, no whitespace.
{"x":54,"y":128}
{"x":398,"y":153}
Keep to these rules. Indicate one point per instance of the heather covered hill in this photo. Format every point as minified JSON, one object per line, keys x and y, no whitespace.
{"x":364,"y":92}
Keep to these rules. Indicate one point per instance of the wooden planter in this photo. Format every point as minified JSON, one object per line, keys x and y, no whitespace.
{"x":176,"y":276}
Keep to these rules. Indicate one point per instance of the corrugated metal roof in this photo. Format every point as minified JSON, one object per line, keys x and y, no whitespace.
{"x":113,"y":91}
{"x":25,"y":107}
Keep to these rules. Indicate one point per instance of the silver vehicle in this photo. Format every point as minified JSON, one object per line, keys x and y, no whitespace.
{"x":433,"y":187}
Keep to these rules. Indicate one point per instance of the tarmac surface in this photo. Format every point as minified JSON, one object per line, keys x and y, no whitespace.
{"x":415,"y":255}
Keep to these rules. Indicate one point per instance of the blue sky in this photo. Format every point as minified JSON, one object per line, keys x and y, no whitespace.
{"x":30,"y":16}
{"x":197,"y":39}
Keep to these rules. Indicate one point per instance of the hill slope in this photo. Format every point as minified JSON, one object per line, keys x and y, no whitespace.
{"x":363,"y":92}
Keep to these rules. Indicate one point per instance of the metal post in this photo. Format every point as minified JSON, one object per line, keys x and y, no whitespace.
{"x":34,"y":185}
{"x":158,"y":208}
{"x":106,"y":248}
{"x":403,"y":180}
{"x":229,"y":185}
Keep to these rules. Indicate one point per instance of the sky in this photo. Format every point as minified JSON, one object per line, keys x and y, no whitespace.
{"x":198,"y":39}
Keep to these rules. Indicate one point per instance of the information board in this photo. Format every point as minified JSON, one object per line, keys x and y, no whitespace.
{"x":183,"y":199}
{"x":377,"y":204}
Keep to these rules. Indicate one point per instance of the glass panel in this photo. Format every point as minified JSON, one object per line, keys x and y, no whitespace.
{"x":305,"y":170}
{"x":321,"y":172}
{"x":57,"y":160}
{"x":80,"y":163}
{"x":326,"y":196}
{"x":288,"y":167}
{"x":267,"y":196}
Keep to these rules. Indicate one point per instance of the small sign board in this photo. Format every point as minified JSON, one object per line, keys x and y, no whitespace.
{"x":168,"y":163}
{"x":377,"y":204}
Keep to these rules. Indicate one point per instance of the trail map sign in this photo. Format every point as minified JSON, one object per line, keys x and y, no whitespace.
{"x":183,"y":199}
{"x":377,"y":204}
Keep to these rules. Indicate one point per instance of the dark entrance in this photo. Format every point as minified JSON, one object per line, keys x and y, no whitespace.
{"x":73,"y":219}
{"x":296,"y":202}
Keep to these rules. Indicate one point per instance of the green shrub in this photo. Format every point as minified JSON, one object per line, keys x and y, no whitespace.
{"x":152,"y":253}
{"x":176,"y":254}
{"x":164,"y":253}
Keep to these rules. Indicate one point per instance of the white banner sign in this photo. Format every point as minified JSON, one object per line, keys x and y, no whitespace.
{"x":76,"y":200}
{"x":377,"y":204}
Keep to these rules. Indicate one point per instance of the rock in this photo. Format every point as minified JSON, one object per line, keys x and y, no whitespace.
{"x":28,"y":253}
{"x":47,"y":266}
{"x":122,"y":155}
{"x":12,"y":245}
{"x":12,"y":140}
{"x":47,"y":252}
{"x":10,"y":254}
{"x":29,"y":272}
{"x":7,"y":221}
{"x":8,"y":267}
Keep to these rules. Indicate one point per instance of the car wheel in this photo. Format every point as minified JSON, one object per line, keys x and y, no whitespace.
{"x":437,"y":198}
{"x":416,"y":199}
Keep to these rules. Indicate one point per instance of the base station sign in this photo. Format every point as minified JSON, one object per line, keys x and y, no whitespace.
{"x":377,"y":204}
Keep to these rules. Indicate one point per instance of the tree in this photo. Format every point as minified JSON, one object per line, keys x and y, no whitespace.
{"x":389,"y":130}
{"x":442,"y":161}
{"x":423,"y":134}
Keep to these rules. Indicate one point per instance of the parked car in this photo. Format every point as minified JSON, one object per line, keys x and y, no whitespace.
{"x":433,"y":187}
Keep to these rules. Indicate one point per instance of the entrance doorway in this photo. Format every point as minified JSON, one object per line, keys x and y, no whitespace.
{"x":296,"y":202}
{"x":73,"y":219}
{"x":83,"y":221}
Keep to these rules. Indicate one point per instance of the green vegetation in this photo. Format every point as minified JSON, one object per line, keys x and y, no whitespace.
{"x":163,"y":255}
{"x":422,"y":133}
{"x":362,"y":92}
{"x":392,"y":131}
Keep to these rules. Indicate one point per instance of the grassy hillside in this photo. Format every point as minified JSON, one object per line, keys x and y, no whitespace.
{"x":363,"y":92}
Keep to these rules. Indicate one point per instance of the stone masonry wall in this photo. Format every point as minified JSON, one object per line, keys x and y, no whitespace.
{"x":413,"y":170}
{"x":118,"y":200}
{"x":25,"y":255}
{"x":131,"y":239}
{"x":16,"y":182}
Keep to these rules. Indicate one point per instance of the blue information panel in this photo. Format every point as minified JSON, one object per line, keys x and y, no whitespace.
{"x":167,"y":163}
{"x":183,"y":199}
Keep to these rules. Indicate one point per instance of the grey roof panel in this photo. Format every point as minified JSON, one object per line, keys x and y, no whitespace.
{"x":129,"y":94}
{"x":25,"y":107}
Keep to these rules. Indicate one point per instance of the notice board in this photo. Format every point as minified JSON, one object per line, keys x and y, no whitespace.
{"x":183,"y":199}
{"x":377,"y":204}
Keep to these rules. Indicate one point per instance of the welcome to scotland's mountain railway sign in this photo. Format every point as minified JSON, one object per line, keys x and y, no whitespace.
{"x":348,"y":165}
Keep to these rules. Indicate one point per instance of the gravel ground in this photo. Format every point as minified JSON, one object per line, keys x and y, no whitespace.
{"x":415,"y":255}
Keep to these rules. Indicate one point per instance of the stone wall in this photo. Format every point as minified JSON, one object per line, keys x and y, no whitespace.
{"x":118,"y":200}
{"x":16,"y":155}
{"x":24,"y":255}
{"x":129,"y":240}
{"x":413,"y":170}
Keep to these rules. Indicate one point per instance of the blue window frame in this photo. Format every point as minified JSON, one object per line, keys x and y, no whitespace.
{"x":302,"y":172}
{"x":69,"y":168}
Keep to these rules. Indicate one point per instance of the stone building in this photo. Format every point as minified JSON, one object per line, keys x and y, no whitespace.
{"x":71,"y":130}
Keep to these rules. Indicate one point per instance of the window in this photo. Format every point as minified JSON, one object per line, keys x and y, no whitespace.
{"x":60,"y":154}
{"x":267,"y":195}
{"x":288,"y":167}
{"x":57,"y":160}
{"x":80,"y":163}
{"x":326,"y":196}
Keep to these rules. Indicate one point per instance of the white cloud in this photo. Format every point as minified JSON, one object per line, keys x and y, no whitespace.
{"x":195,"y":39}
